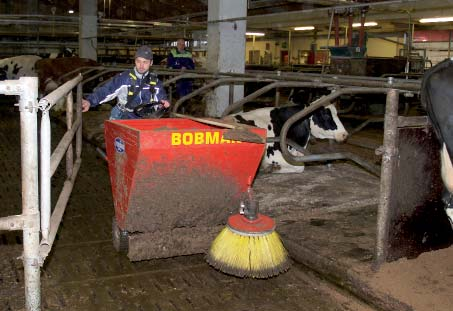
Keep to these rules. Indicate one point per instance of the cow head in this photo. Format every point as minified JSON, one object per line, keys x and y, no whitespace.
{"x":324,"y":122}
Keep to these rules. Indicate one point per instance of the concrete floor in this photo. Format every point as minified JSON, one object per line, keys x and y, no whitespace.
{"x":326,"y":217}
{"x":84,"y":272}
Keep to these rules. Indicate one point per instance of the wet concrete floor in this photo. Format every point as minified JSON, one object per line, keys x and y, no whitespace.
{"x":326,"y":217}
{"x":84,"y":272}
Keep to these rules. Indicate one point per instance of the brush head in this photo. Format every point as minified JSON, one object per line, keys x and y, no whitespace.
{"x":247,"y":248}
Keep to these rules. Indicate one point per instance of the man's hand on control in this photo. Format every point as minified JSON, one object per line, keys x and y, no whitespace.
{"x":166,"y":103}
{"x":85,"y":105}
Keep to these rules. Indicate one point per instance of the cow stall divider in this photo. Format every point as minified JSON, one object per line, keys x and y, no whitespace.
{"x":36,"y":214}
{"x":345,"y":85}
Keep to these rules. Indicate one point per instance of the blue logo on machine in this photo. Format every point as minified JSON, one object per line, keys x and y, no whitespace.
{"x":119,"y":145}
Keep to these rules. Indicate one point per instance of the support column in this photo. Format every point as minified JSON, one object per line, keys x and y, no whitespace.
{"x":88,"y":29}
{"x":226,"y":49}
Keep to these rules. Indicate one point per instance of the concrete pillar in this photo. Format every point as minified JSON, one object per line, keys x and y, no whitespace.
{"x":226,"y":49}
{"x":88,"y":29}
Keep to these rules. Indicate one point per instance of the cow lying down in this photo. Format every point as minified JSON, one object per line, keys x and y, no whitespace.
{"x":323,"y":123}
{"x":437,"y":98}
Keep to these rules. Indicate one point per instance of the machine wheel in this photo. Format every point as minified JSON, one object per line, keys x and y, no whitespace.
{"x":120,"y":238}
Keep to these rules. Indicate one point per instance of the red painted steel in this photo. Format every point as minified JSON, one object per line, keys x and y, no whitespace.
{"x":144,"y":153}
{"x":261,"y":224}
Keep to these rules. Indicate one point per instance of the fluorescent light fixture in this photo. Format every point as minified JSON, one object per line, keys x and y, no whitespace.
{"x":256,"y":34}
{"x":437,"y":20}
{"x":367,"y":24}
{"x":304,"y":28}
{"x":71,"y":11}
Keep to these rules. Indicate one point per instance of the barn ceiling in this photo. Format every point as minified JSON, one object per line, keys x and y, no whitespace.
{"x":160,"y":20}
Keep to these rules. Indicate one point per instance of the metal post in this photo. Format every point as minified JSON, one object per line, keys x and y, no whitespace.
{"x":449,"y":43}
{"x":231,"y":94}
{"x":69,"y":152}
{"x":79,"y":117}
{"x":45,"y":175}
{"x":277,"y":97}
{"x":350,"y":18}
{"x":289,"y":49}
{"x":390,"y":152}
{"x":324,"y":60}
{"x":30,"y":199}
{"x":362,"y":28}
{"x":337,"y":29}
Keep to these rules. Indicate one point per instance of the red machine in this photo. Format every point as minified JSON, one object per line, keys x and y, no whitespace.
{"x":174,"y":183}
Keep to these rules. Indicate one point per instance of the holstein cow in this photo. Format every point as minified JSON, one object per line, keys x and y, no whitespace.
{"x":48,"y":70}
{"x":18,"y":66}
{"x":437,"y":98}
{"x":322,"y":123}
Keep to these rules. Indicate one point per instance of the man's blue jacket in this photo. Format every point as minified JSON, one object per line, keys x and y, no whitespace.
{"x":124,"y":85}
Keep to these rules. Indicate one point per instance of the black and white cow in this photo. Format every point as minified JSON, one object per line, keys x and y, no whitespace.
{"x":323,"y":123}
{"x":18,"y":66}
{"x":437,"y":98}
{"x":48,"y":70}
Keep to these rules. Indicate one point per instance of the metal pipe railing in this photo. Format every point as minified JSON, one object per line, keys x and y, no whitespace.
{"x":69,"y":118}
{"x":63,"y":148}
{"x":188,"y":76}
{"x":212,"y":85}
{"x":340,"y":80}
{"x":48,"y":101}
{"x":50,"y":163}
{"x":269,"y":87}
{"x":45,"y":175}
{"x":79,"y":117}
{"x":321,"y":102}
{"x":28,"y":221}
{"x":58,"y":212}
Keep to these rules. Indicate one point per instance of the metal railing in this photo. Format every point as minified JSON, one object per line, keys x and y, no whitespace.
{"x":36,"y":214}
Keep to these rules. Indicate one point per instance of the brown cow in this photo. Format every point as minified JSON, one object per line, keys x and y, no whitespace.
{"x":50,"y":71}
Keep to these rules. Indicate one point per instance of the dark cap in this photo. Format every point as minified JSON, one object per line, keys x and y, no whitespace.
{"x":145,"y":52}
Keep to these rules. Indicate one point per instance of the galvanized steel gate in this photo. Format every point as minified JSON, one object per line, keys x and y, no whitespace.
{"x":36,"y":214}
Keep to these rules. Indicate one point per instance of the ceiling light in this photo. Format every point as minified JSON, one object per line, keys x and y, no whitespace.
{"x":437,"y":20}
{"x":367,"y":24}
{"x":257,"y":34}
{"x":304,"y":28}
{"x":71,"y":11}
